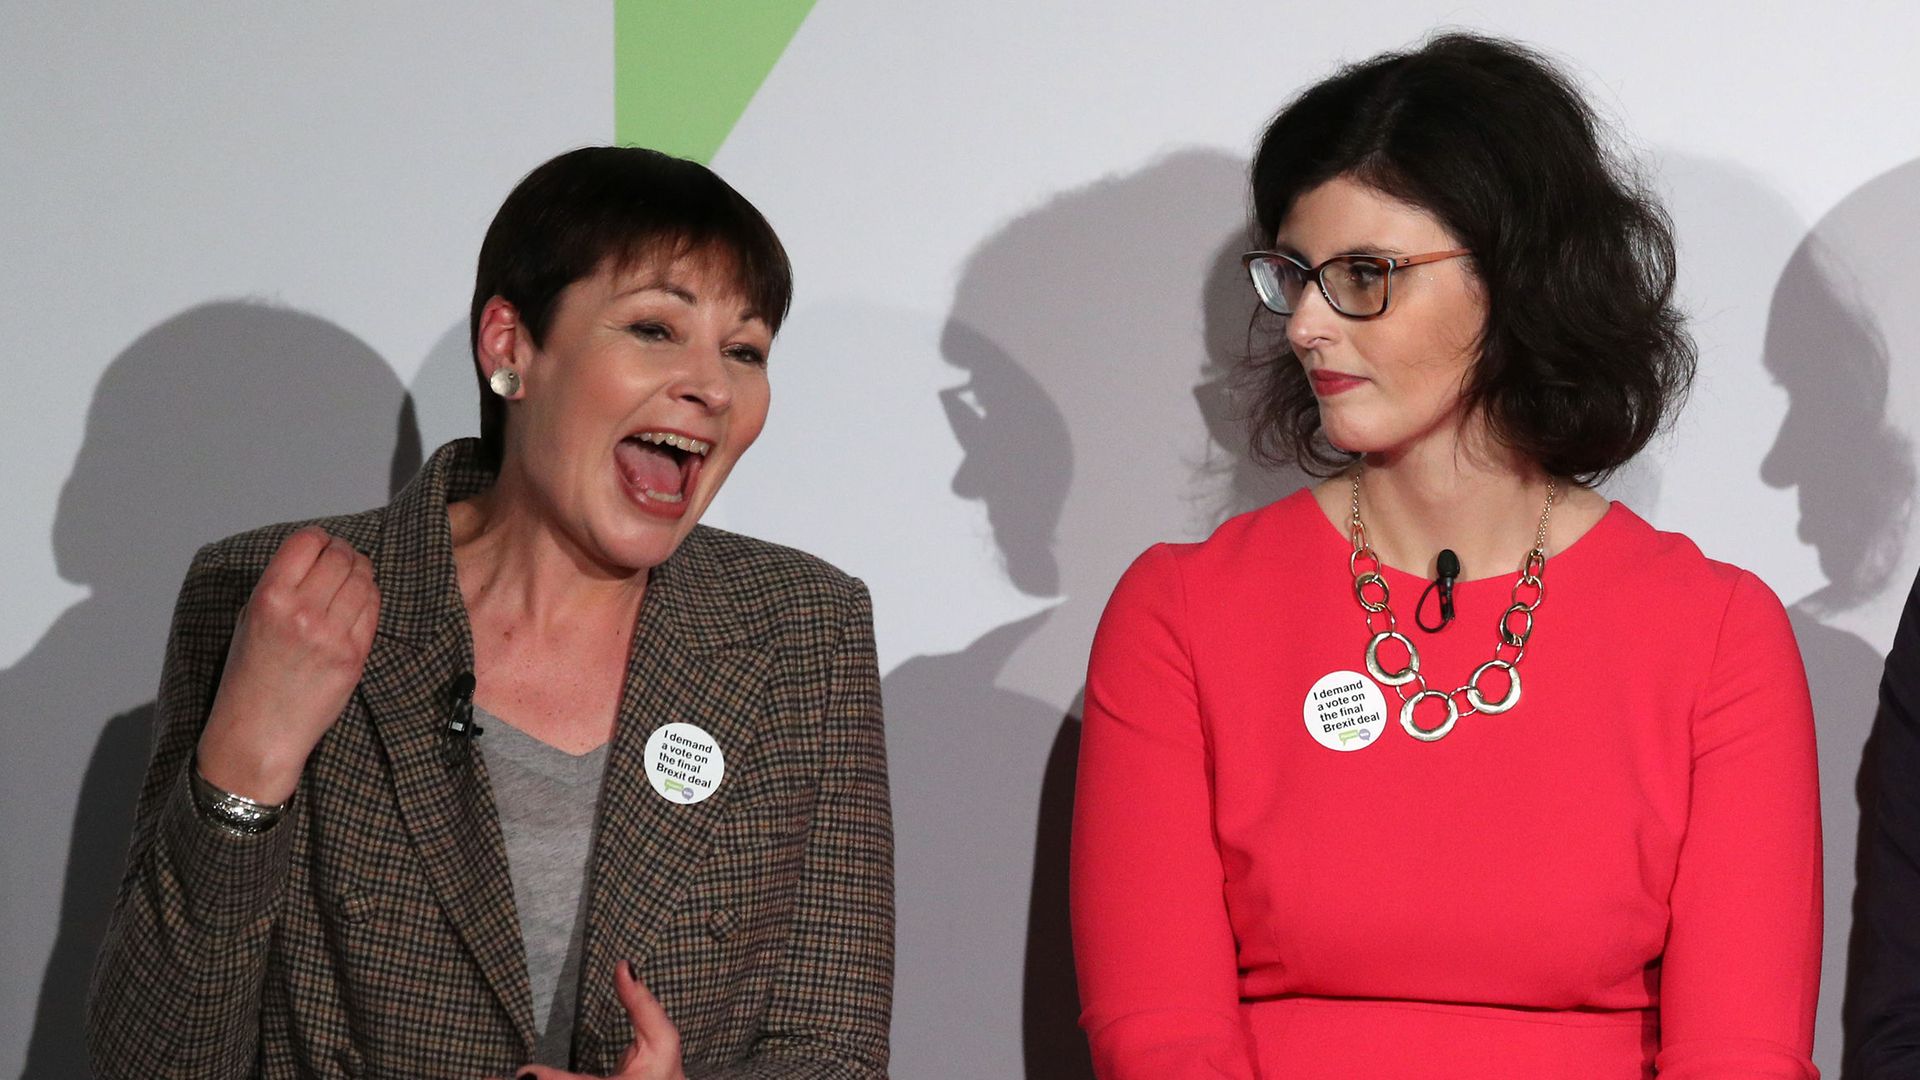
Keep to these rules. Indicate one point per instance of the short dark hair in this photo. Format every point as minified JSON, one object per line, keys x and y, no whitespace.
{"x":623,"y":203}
{"x":1584,"y":355}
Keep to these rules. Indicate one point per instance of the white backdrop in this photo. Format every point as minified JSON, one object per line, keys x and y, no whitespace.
{"x":238,"y":248}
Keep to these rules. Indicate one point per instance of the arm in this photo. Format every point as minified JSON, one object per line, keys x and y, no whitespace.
{"x":1883,"y":1000}
{"x":1741,"y":971}
{"x":832,"y":1002}
{"x":1154,"y":950}
{"x":176,"y":988}
{"x":251,"y":682}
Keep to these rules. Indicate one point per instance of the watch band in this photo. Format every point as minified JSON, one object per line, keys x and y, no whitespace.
{"x":236,"y":814}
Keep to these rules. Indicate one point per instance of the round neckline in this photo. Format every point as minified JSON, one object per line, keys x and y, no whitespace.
{"x":1614,"y":513}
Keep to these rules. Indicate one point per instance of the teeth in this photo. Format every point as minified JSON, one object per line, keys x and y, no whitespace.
{"x":680,"y":442}
{"x":661,"y":496}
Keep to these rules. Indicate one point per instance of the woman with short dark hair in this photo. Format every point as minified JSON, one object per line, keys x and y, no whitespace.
{"x":1320,"y":829}
{"x":664,"y":848}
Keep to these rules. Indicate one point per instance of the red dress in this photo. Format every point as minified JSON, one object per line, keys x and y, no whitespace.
{"x":1619,"y":876}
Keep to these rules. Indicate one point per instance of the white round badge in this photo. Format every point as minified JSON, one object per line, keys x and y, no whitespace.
{"x":684,"y":763}
{"x":1345,"y":711}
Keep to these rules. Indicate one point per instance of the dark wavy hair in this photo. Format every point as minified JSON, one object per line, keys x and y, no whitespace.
{"x":1584,"y":355}
{"x":627,"y":204}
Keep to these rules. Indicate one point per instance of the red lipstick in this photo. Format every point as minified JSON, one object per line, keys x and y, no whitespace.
{"x":1329,"y":383}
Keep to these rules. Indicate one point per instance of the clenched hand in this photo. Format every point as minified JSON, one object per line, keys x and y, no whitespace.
{"x":297,"y":653}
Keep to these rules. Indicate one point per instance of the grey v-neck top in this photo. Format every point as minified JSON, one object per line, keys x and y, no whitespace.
{"x":546,"y":799}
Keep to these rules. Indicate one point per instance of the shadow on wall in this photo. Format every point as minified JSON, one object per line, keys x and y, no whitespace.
{"x":1242,"y":338}
{"x":440,"y":400}
{"x":1082,"y":327}
{"x":227,"y":416}
{"x":1852,"y":470}
{"x":1820,"y":330}
{"x":1843,"y":340}
{"x":1854,"y":478}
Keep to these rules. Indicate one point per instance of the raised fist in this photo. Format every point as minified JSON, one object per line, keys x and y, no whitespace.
{"x":298,"y":649}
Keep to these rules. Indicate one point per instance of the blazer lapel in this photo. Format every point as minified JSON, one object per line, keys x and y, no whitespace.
{"x":424,"y":642}
{"x":689,"y":664}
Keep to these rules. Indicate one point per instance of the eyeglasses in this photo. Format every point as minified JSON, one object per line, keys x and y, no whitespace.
{"x":1357,"y":286}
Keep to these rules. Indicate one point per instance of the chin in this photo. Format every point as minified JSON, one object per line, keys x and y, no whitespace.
{"x":1355,"y":432}
{"x":1351,"y":438}
{"x":638,"y":545}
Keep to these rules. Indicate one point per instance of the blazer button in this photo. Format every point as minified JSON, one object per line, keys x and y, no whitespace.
{"x":720,"y":924}
{"x":354,"y":905}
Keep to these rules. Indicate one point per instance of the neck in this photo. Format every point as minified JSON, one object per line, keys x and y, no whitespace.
{"x":513,"y":564}
{"x":1484,"y":505}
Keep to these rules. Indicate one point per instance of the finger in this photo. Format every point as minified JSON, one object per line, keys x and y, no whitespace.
{"x":545,"y":1072}
{"x":367,"y":621}
{"x":356,"y":589}
{"x":294,"y":557}
{"x":328,"y":572}
{"x":650,"y":1023}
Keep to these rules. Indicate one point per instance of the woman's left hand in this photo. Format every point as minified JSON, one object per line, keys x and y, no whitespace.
{"x":655,"y":1053}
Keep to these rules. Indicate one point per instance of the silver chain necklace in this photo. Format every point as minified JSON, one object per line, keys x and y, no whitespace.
{"x":1528,"y":592}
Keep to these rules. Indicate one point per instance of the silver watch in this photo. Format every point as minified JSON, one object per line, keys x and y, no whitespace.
{"x":236,"y":814}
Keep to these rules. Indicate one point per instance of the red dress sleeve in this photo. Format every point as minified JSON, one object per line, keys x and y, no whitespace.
{"x":1741,"y":969}
{"x":1155,"y":952}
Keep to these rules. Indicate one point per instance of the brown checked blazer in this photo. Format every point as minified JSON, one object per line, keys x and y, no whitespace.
{"x":372,"y":932}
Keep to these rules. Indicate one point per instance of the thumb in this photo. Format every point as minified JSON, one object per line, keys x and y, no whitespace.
{"x":650,"y":1023}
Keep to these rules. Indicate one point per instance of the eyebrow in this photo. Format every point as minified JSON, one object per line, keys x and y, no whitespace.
{"x":1363,"y":248}
{"x":657,"y":285}
{"x":684,"y":295}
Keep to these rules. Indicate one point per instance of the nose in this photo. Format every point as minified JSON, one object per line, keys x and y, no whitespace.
{"x":1313,"y":323}
{"x":705,"y":380}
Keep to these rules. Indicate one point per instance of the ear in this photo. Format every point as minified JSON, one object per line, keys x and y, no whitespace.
{"x":502,"y":339}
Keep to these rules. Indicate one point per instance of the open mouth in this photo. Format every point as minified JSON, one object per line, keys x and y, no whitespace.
{"x":660,"y":467}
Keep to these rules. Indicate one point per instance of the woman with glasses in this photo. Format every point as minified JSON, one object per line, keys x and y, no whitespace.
{"x":1448,"y":766}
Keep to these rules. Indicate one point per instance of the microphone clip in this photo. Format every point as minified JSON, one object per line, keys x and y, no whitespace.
{"x":460,"y":730}
{"x":1448,"y":565}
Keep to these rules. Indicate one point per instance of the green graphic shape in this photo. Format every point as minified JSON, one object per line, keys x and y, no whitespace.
{"x":684,"y":70}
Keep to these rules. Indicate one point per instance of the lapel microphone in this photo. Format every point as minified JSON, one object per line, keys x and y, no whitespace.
{"x":1449,"y":566}
{"x":460,"y":730}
